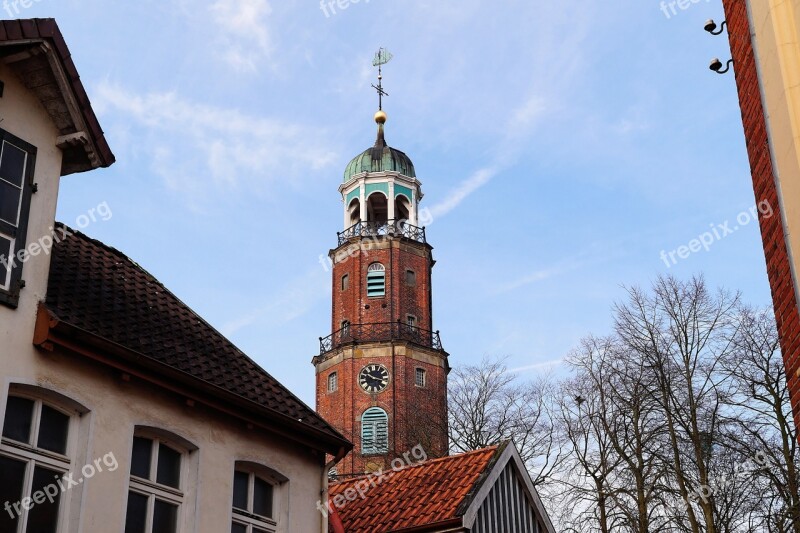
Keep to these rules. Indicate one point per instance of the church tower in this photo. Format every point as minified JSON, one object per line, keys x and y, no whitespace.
{"x":382,"y":373}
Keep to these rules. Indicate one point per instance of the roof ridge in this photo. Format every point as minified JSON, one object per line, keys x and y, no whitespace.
{"x":478,"y":483}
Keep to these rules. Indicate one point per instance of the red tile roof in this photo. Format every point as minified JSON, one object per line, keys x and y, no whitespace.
{"x":434,"y":492}
{"x":94,"y":289}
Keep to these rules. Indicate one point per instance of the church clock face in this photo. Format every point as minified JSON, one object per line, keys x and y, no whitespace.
{"x":373,"y":378}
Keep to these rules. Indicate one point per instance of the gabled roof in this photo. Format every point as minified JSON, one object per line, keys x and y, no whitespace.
{"x":458,"y":493}
{"x":431,"y":493}
{"x":38,"y":53}
{"x":99,"y":298}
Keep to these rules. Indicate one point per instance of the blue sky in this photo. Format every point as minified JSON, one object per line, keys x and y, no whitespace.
{"x":561,"y":145}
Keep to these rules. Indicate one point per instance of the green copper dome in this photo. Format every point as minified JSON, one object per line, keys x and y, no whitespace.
{"x":379,"y":158}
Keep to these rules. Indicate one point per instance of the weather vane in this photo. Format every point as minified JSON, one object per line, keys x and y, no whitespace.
{"x":382,"y":56}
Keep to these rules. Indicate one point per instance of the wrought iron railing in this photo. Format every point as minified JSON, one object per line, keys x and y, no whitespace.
{"x":398,"y":228}
{"x":380,"y":332}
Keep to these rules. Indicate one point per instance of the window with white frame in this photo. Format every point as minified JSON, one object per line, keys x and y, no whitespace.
{"x":333,"y":382}
{"x":156,"y":492}
{"x":420,"y":377}
{"x":411,"y":320}
{"x":255,"y":499}
{"x":16,"y":186}
{"x":34,"y":460}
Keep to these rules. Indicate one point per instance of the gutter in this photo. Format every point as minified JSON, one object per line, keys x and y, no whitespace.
{"x":50,"y":332}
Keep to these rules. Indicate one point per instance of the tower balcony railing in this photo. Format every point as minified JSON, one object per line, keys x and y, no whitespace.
{"x":380,"y":332}
{"x":373,"y":229}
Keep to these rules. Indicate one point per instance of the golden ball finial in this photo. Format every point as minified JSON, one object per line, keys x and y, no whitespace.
{"x":380,"y":117}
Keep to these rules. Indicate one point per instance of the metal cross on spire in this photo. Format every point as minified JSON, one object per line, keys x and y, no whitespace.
{"x":382,"y":56}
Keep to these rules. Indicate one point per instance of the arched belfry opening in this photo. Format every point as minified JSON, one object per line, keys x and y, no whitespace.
{"x":377,"y":208}
{"x":354,"y":212}
{"x":402,"y":208}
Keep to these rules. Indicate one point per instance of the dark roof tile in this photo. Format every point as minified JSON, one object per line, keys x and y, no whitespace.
{"x":99,"y":290}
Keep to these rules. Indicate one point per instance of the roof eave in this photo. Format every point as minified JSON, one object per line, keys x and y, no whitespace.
{"x":50,"y":331}
{"x":83,"y":142}
{"x":444,"y":526}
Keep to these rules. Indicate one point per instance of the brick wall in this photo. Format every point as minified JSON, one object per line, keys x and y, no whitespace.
{"x":401,"y":299}
{"x":764,"y":186}
{"x":417,"y":415}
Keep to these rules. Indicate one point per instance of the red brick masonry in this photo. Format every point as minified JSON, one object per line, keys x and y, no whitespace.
{"x":765,"y":188}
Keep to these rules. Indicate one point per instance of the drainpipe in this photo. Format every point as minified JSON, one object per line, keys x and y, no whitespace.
{"x":332,"y":515}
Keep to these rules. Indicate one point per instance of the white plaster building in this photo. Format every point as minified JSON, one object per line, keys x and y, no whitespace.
{"x":121,"y":409}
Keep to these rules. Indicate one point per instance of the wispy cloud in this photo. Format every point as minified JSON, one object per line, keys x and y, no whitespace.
{"x":536,"y":366}
{"x":297,"y":297}
{"x":206,"y":149}
{"x":467,"y":187}
{"x":242,"y":28}
{"x":521,"y":120}
{"x":577,"y":262}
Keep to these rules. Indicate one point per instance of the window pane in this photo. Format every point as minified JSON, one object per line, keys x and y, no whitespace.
{"x":12,"y":164}
{"x":53,"y":430}
{"x":9,"y":202}
{"x":136,"y":517}
{"x":240,"y":491}
{"x":256,"y":530}
{"x":238,"y":528}
{"x":165,"y":517}
{"x":43,"y":517}
{"x":262,"y":498}
{"x":13,"y":475}
{"x":17,"y":425}
{"x":169,"y":467}
{"x":140,"y":460}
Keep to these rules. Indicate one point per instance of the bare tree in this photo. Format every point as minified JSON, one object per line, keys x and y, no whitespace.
{"x":762,"y":428}
{"x":678,"y":422}
{"x":588,"y":477}
{"x":631,"y":417}
{"x":487,"y":405}
{"x":681,"y":331}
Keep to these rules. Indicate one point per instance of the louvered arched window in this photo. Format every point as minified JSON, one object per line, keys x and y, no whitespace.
{"x":374,"y":431}
{"x":376,"y":280}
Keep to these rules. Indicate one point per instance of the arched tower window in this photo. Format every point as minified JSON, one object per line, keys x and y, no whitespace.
{"x":354,"y":211}
{"x":402,"y":208}
{"x":376,"y":280}
{"x":377,"y":208}
{"x":374,"y":431}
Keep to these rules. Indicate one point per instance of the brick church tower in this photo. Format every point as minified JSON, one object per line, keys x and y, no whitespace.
{"x":382,"y":373}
